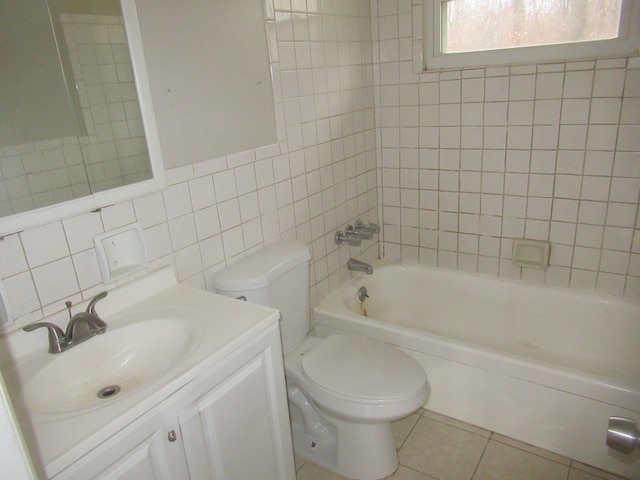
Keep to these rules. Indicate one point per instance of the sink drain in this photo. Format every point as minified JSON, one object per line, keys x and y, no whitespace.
{"x":108,"y":392}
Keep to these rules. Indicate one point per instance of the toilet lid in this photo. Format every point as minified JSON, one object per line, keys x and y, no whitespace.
{"x":363,"y":369}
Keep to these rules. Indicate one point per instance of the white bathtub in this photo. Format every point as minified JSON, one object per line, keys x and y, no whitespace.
{"x":545,"y":366}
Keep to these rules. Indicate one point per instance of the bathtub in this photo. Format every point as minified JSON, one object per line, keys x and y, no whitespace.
{"x":545,"y":366}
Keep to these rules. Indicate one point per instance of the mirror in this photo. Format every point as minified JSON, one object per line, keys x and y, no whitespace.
{"x":77,"y":130}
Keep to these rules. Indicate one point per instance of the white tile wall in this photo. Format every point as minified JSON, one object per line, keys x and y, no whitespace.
{"x":320,"y":176}
{"x":458,"y":163}
{"x":41,"y":173}
{"x":544,"y":151}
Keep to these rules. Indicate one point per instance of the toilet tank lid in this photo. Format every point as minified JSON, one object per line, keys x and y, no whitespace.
{"x":263,"y":267}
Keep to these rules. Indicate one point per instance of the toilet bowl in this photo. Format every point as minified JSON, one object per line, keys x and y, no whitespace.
{"x":358,"y":388}
{"x":344,"y":391}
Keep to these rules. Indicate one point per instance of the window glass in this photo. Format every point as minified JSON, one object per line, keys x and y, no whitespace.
{"x":476,"y":33}
{"x":475,"y":25}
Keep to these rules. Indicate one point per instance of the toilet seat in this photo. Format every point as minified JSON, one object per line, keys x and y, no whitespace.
{"x":381,"y":394}
{"x":362,"y":370}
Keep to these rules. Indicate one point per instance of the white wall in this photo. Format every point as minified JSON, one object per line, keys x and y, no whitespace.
{"x":470,"y":159}
{"x":465,"y":164}
{"x":319,"y":178}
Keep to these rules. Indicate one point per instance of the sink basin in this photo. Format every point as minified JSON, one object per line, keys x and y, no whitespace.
{"x":108,"y":367}
{"x":162,"y":338}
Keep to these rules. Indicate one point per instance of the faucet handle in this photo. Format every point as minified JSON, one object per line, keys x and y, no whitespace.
{"x":369,"y":227}
{"x":91,"y":308}
{"x":57,"y":338}
{"x":347,"y":237}
{"x":359,"y":232}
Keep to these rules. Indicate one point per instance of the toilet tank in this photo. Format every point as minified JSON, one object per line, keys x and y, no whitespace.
{"x":276,"y":276}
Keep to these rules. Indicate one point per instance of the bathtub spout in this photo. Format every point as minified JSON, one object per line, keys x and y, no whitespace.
{"x":358,"y":266}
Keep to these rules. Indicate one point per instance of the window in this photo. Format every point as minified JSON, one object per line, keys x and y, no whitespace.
{"x":467,"y":33}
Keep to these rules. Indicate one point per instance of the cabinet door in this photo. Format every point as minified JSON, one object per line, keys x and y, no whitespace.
{"x":238,"y":430}
{"x":145,"y":450}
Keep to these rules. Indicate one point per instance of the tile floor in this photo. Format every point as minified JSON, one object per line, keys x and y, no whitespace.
{"x":435,"y":447}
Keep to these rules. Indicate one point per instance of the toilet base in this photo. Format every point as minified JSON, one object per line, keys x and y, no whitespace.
{"x":321,"y":451}
{"x":364,"y":451}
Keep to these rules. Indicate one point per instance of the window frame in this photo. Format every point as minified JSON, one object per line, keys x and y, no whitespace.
{"x":626,"y":44}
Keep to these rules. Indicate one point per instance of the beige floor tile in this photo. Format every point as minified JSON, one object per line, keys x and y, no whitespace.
{"x":311,"y":471}
{"x":504,"y":462}
{"x":442,"y":451}
{"x":402,"y":428}
{"x":582,"y":475}
{"x":530,"y":448}
{"x":298,"y":461}
{"x":404,"y":473}
{"x":457,"y":423}
{"x":580,"y":471}
{"x":441,"y":448}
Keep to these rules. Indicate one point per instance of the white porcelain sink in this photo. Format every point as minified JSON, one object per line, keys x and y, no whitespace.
{"x":108,"y":367}
{"x":161,"y":336}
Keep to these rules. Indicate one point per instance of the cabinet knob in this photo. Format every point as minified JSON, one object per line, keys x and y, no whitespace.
{"x":172,"y":436}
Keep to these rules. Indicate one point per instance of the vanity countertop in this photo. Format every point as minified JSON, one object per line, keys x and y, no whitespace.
{"x":221,"y":325}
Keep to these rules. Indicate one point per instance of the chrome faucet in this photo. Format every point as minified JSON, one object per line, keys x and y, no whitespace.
{"x":367,"y":230}
{"x":82,"y":326}
{"x":358,"y":266}
{"x":358,"y":233}
{"x":353,"y":235}
{"x":348,"y":236}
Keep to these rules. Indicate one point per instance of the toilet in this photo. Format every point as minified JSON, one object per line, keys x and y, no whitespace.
{"x":344,"y":391}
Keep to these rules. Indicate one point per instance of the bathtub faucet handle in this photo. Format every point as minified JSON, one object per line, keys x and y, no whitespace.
{"x":348,"y":236}
{"x":370,"y":228}
{"x":359,"y":232}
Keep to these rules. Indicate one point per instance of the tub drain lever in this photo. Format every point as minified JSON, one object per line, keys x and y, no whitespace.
{"x":622,"y":434}
{"x":362,"y":294}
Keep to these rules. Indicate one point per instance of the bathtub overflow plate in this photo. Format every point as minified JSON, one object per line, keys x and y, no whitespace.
{"x":362,"y":294}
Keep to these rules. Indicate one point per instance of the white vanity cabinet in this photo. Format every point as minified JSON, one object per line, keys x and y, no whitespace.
{"x":140,"y":451}
{"x":240,"y":429}
{"x":231,"y":422}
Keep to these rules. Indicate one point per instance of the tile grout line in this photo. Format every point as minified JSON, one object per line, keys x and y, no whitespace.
{"x":409,"y":433}
{"x":475,"y":470}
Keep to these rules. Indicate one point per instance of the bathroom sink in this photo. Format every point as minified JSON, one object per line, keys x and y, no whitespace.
{"x":162,"y":340}
{"x":108,"y":367}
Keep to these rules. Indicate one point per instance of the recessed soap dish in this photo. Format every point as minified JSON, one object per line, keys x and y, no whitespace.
{"x":121,"y":252}
{"x":530,"y":253}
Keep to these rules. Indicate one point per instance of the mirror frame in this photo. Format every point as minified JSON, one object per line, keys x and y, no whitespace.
{"x":40,"y":216}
